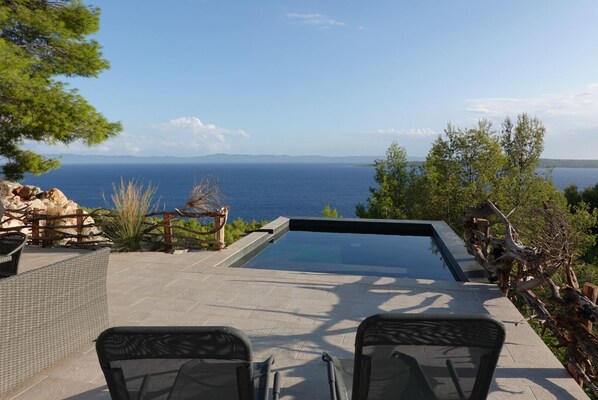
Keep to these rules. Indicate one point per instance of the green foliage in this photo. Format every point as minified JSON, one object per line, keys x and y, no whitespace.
{"x":238,"y":228}
{"x":41,"y":41}
{"x":589,"y":195}
{"x":389,"y":199}
{"x":233,"y":230}
{"x":586,"y":272}
{"x":584,"y":206}
{"x":572,"y":195}
{"x":127,"y":221}
{"x":464,"y":168}
{"x":585,"y":221}
{"x":522,"y":146}
{"x":459,"y":171}
{"x":329,"y":212}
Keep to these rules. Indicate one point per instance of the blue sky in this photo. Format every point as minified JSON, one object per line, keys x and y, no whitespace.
{"x":340,"y":77}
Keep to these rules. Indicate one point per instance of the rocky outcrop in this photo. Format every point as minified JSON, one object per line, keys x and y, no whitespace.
{"x":20,"y":201}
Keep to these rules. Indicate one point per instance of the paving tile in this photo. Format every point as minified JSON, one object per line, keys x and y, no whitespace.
{"x":557,"y":390}
{"x":303,"y":380}
{"x":371,"y":297}
{"x":207,"y":296}
{"x":174,"y":318}
{"x":258,"y":289}
{"x":363,"y":310}
{"x":311,"y":305}
{"x":126,"y":317}
{"x":281,"y":342}
{"x":199,"y":285}
{"x":59,"y":389}
{"x":531,"y":356}
{"x":248,"y":299}
{"x":84,"y":368}
{"x":302,"y":291}
{"x":295,"y":317}
{"x":251,"y":326}
{"x":232,"y":310}
{"x":163,"y":304}
{"x":521,"y":333}
{"x":24,"y":387}
{"x":313,"y":350}
{"x":285,"y":315}
{"x":511,"y":391}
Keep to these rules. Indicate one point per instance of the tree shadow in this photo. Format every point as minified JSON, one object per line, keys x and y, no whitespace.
{"x":324,"y":316}
{"x":334,"y":328}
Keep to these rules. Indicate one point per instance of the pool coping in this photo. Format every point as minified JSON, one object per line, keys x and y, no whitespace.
{"x":451,"y":245}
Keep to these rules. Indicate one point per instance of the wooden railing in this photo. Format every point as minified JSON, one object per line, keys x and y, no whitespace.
{"x":78,"y":228}
{"x":176,"y":235}
{"x":528,"y":274}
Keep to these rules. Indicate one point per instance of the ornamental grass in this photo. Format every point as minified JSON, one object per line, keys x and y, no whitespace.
{"x":128,"y":217}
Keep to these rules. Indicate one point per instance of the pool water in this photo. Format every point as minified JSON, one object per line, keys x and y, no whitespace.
{"x":398,"y":256}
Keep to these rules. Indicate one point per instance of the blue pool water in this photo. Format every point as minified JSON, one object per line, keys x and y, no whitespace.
{"x":397,"y":256}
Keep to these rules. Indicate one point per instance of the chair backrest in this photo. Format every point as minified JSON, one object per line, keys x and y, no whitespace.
{"x":421,"y":356}
{"x":176,"y":363}
{"x":11,"y":243}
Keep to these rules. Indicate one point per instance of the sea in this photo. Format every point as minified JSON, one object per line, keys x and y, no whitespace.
{"x":253,"y":191}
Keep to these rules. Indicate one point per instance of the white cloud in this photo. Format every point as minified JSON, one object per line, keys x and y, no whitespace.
{"x":416,"y":132}
{"x":191,"y":135}
{"x":571,"y":104}
{"x":183,"y":136}
{"x":319,"y":20}
{"x":207,"y":132}
{"x":570,"y":118}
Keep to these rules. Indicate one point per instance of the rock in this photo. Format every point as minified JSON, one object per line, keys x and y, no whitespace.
{"x":23,"y":192}
{"x":53,"y":196}
{"x":35,"y":191}
{"x":6,"y":187}
{"x":18,"y":199}
{"x":36,"y":204}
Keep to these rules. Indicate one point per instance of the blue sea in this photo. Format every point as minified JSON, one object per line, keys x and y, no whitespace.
{"x":253,"y":191}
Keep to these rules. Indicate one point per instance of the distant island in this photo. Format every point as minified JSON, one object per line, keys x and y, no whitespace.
{"x":213,"y":159}
{"x":551,"y":162}
{"x":274,"y":159}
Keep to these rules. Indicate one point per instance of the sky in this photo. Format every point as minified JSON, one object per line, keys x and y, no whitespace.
{"x":339,"y":77}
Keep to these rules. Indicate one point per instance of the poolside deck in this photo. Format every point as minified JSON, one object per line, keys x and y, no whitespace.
{"x":294,"y":316}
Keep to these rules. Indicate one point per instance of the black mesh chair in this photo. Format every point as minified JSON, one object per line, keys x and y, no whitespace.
{"x":11,"y":246}
{"x":411,"y":356}
{"x":174,"y":363}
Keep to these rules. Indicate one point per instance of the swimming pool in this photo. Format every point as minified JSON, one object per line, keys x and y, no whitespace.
{"x":399,"y":256}
{"x":397,"y":249}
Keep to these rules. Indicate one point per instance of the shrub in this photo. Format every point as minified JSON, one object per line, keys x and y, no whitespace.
{"x":126,"y":222}
{"x":329,"y":212}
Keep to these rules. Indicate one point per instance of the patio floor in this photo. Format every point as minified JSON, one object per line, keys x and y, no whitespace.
{"x":294,"y":316}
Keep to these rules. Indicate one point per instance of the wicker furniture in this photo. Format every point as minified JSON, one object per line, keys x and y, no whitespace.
{"x":11,"y":245}
{"x":47,"y":313}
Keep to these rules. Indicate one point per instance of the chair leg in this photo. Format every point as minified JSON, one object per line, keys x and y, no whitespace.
{"x":276,"y":387}
{"x":455,"y":378}
{"x":331,"y":381}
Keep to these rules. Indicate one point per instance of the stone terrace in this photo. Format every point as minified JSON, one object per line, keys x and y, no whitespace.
{"x":293,"y":315}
